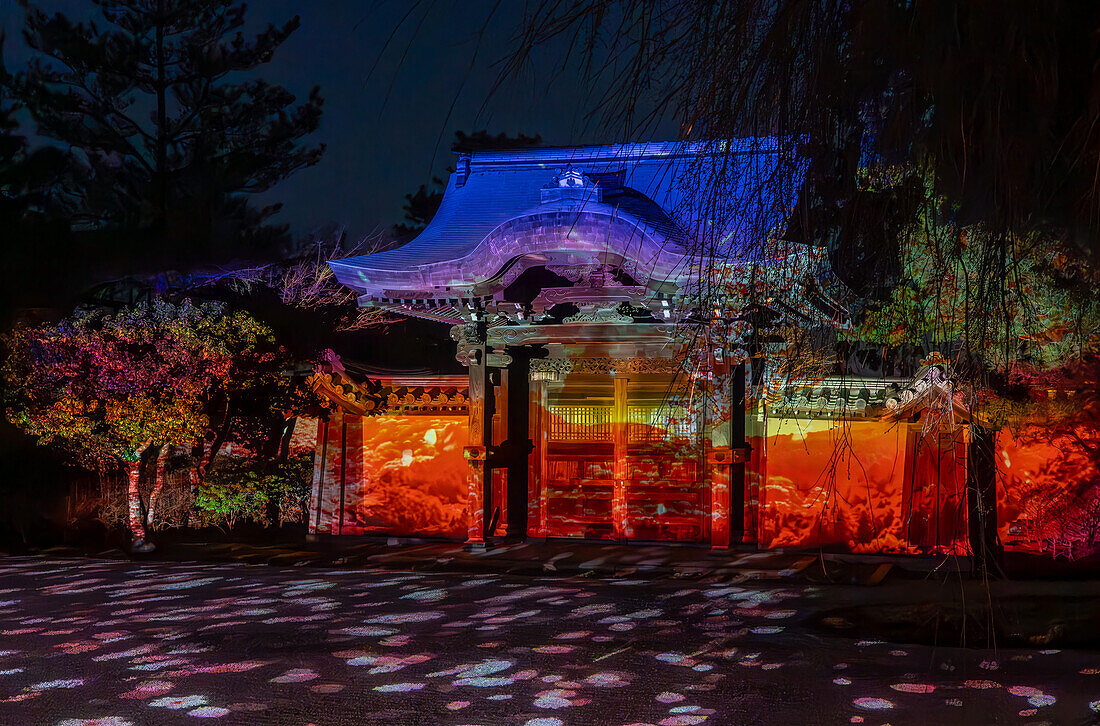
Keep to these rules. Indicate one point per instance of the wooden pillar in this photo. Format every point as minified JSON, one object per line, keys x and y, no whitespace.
{"x":352,"y":472}
{"x":337,"y":525}
{"x":328,"y":463}
{"x":518,"y":443}
{"x":718,"y":427}
{"x":738,"y":441}
{"x":911,"y":441}
{"x":540,"y":399}
{"x":721,"y":511}
{"x":981,"y":500}
{"x":619,"y":520}
{"x":496,"y":504}
{"x":757,"y":437}
{"x":314,"y":519}
{"x":480,"y":433}
{"x":756,"y":475}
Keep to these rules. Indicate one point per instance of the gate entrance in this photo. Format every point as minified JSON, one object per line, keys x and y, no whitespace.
{"x":620,"y":461}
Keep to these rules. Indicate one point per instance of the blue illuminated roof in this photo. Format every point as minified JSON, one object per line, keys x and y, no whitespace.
{"x":664,"y":188}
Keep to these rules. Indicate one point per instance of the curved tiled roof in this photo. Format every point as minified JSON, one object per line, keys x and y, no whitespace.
{"x":652,"y":185}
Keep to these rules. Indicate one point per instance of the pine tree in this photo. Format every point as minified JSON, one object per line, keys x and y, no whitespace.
{"x":167,"y":125}
{"x":32,"y":206}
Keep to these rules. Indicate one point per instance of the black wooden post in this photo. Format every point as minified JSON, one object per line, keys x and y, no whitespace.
{"x":981,"y":501}
{"x":518,"y":444}
{"x":482,"y":403}
{"x":737,"y":441}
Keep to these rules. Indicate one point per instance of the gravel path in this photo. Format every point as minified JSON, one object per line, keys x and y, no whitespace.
{"x":108,"y":643}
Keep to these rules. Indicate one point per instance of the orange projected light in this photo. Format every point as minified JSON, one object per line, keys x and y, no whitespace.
{"x":1048,"y":499}
{"x":413,"y":479}
{"x":856,"y":487}
{"x":652,"y":491}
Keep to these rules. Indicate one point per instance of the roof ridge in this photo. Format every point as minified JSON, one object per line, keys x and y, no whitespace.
{"x":631,"y":151}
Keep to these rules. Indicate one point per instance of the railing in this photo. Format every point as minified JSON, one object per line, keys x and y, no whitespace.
{"x":580,"y":424}
{"x":647,"y":424}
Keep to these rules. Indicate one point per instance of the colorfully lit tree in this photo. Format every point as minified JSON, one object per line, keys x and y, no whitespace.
{"x":117,"y":389}
{"x":109,"y":388}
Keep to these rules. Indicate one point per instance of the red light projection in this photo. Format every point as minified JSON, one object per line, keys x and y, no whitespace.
{"x":413,"y":480}
{"x":862,"y":487}
{"x":934,"y":514}
{"x":616,"y":462}
{"x":651,"y":491}
{"x":1049,"y":490}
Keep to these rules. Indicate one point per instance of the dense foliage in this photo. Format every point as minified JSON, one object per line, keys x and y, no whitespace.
{"x":114,"y":389}
{"x":108,"y":386}
{"x":257,"y":490}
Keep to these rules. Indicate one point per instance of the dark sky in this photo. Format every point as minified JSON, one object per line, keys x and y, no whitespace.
{"x":374,"y":154}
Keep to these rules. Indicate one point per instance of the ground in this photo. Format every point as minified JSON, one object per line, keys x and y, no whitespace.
{"x":115,"y":642}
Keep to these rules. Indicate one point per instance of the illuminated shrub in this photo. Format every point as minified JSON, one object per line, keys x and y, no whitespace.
{"x":258,"y":490}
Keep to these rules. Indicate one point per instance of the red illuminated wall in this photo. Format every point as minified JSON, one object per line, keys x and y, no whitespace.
{"x":304,"y":438}
{"x":412,"y":480}
{"x":846,"y":485}
{"x":1048,"y":491}
{"x":853,"y":486}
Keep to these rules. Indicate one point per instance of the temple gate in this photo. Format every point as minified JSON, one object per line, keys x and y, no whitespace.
{"x":602,"y":400}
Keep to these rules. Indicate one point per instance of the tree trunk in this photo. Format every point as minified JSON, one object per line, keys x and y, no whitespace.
{"x":158,"y":485}
{"x":133,"y":496}
{"x":198,"y":451}
{"x":288,"y":434}
{"x":981,"y":502}
{"x":219,"y":440}
{"x":268,"y":446}
{"x":272,"y":510}
{"x":162,"y":123}
{"x":136,"y":513}
{"x":193,"y":486}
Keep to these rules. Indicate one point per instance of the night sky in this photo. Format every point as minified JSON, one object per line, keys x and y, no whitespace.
{"x":376,"y":154}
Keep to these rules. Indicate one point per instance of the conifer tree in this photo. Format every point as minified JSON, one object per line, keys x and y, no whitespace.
{"x":168,"y":126}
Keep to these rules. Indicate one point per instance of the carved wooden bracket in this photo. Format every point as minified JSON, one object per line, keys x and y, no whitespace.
{"x":498,"y":360}
{"x":475,"y":453}
{"x":733,"y":455}
{"x":601,"y":297}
